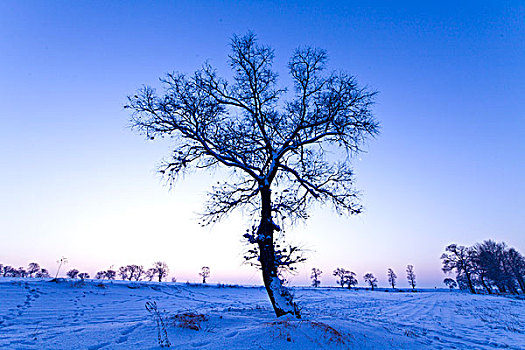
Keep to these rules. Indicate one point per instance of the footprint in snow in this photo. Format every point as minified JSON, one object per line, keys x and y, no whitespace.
{"x":129,"y":330}
{"x":98,"y":346}
{"x":199,"y":344}
{"x":122,"y":339}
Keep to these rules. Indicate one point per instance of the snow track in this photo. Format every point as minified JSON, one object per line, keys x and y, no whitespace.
{"x":67,"y":315}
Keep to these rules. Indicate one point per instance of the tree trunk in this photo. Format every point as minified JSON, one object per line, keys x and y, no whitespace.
{"x":485,"y":285}
{"x":510,"y":286}
{"x":280,"y":298}
{"x":469,"y":281}
{"x":521,"y":282}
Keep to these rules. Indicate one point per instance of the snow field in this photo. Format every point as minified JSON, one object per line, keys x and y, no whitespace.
{"x":93,"y":315}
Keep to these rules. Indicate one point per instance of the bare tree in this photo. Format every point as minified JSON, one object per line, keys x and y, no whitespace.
{"x":9,"y":271}
{"x":346,"y":277}
{"x":350,"y":280}
{"x":316,"y":274}
{"x":392,"y":277}
{"x":411,"y":276}
{"x":136,"y":272}
{"x":449,"y":282}
{"x":111,"y":274}
{"x":205,"y":273}
{"x":341,"y":274}
{"x":276,"y":150}
{"x":21,"y":272}
{"x":125,"y":273}
{"x":33,"y":268}
{"x":43,"y":273}
{"x":150,"y":274}
{"x":459,"y":258}
{"x":73,"y":273}
{"x":159,"y":269}
{"x":371,"y":280}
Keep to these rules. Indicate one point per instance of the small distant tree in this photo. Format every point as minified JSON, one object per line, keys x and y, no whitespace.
{"x":125,"y":273}
{"x":83,"y":276}
{"x":341,"y":275}
{"x":205,"y":273}
{"x":371,"y":280}
{"x":150,"y":274}
{"x":60,"y":262}
{"x":174,"y":279}
{"x":136,"y":272}
{"x":9,"y":271}
{"x":392,"y":277}
{"x":159,"y":269}
{"x":411,"y":276}
{"x":350,"y":280}
{"x":106,"y":274}
{"x":316,"y":274}
{"x":21,"y":272}
{"x":72,"y":273}
{"x":346,"y":278}
{"x":43,"y":273}
{"x":111,"y":274}
{"x":33,"y":268}
{"x":449,"y":282}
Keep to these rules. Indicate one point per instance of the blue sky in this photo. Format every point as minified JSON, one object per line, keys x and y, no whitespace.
{"x":75,"y":181}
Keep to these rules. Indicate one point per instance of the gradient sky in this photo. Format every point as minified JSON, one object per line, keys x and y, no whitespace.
{"x":75,"y":181}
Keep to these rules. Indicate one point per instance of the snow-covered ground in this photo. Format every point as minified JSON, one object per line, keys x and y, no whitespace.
{"x":44,"y":315}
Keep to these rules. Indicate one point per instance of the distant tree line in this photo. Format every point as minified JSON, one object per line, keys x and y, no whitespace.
{"x":348,"y":279}
{"x":486,"y":267}
{"x":33,"y":270}
{"x":159,"y":272}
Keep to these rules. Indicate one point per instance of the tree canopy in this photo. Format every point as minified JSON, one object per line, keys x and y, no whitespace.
{"x":285,"y":149}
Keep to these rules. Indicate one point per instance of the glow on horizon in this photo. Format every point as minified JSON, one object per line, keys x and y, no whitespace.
{"x":76,"y":182}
